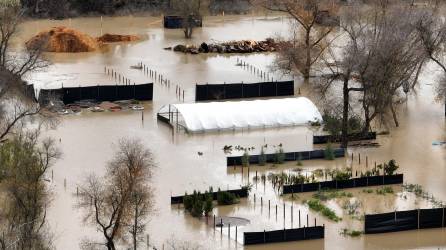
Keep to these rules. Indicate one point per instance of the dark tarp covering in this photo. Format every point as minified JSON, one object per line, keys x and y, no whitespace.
{"x":285,"y":235}
{"x":208,"y":92}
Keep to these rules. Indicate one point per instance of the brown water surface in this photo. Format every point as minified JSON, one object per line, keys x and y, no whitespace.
{"x":87,"y":140}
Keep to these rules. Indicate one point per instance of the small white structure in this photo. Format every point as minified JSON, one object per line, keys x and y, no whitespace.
{"x":199,"y":117}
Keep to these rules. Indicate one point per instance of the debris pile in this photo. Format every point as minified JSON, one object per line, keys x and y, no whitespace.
{"x":244,"y":46}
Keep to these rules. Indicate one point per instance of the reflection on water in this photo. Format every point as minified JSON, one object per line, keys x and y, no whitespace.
{"x":87,"y":139}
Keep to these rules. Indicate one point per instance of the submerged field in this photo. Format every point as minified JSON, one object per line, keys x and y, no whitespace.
{"x":87,"y":139}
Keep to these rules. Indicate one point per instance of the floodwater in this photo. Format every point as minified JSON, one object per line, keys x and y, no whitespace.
{"x":88,"y":140}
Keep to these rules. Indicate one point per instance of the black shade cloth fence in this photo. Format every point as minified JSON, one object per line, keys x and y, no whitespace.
{"x":242,"y":193}
{"x":285,"y":235}
{"x":404,"y":220}
{"x":291,"y":156}
{"x":322,"y":139}
{"x":366,"y":181}
{"x":208,"y":92}
{"x":142,"y":92}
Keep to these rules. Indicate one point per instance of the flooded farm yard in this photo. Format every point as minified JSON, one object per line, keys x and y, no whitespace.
{"x":187,"y":162}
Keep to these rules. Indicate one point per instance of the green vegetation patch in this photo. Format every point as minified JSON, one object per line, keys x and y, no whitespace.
{"x":317,"y":206}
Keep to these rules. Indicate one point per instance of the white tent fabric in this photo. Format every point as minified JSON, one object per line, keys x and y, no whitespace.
{"x":242,"y":114}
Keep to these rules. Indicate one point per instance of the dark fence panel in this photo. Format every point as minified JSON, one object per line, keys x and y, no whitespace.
{"x":233,"y":91}
{"x":242,"y":193}
{"x":285,"y":235}
{"x":431,"y":218}
{"x":322,"y":139}
{"x":404,"y":220}
{"x":351,"y":183}
{"x":268,"y":89}
{"x":393,"y":179}
{"x":251,"y":90}
{"x":142,"y":92}
{"x":208,"y":92}
{"x":291,"y":156}
{"x":376,"y":180}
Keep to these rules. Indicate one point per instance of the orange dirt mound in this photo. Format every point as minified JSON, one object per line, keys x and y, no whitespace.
{"x":113,"y":38}
{"x":62,"y":39}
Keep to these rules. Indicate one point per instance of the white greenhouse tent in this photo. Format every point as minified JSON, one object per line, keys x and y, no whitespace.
{"x":199,"y":117}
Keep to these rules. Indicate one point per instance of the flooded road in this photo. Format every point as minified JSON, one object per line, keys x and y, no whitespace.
{"x":87,"y":141}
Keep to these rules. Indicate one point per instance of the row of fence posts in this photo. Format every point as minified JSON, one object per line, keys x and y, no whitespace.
{"x":118,"y":77}
{"x":254,"y":70}
{"x":158,"y":77}
{"x":276,"y":208}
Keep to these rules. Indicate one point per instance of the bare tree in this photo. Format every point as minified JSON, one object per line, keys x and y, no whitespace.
{"x":379,"y":62}
{"x":431,"y":28}
{"x":24,"y":163}
{"x":14,"y":64}
{"x":190,"y":11}
{"x":121,"y":198}
{"x":309,"y":39}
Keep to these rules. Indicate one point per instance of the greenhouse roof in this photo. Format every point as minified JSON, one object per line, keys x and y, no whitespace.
{"x":246,"y":114}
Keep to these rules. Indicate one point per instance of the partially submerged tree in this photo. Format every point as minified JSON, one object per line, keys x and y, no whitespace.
{"x":16,"y":98}
{"x":431,"y":28}
{"x":24,"y":165}
{"x":378,"y":63}
{"x":121,"y":199}
{"x":190,"y":11}
{"x":309,"y":34}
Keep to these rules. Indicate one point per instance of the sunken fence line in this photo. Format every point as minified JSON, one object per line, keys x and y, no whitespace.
{"x":241,"y":193}
{"x":208,"y":92}
{"x":322,"y":139}
{"x":284,"y":235}
{"x":404,"y":220}
{"x":365,"y":181}
{"x":141,"y":92}
{"x":292,"y":156}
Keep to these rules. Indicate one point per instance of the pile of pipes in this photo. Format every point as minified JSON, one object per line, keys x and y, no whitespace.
{"x":244,"y":46}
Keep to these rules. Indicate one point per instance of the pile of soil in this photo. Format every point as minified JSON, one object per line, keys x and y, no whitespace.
{"x":244,"y":46}
{"x":113,"y":38}
{"x":63,"y":39}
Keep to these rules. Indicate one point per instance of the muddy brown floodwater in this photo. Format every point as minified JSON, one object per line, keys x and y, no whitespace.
{"x":87,"y":140}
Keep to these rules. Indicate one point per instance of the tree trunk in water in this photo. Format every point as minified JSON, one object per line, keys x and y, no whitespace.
{"x":395,"y":117}
{"x":110,"y":245}
{"x":307,"y":67}
{"x":344,"y":139}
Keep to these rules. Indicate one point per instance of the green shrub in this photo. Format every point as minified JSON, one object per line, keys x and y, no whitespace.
{"x":317,"y":206}
{"x":280,"y":156}
{"x":329,"y":152}
{"x":384,"y":190}
{"x":198,"y":204}
{"x":391,"y":167}
{"x":299,"y":160}
{"x":351,"y":233}
{"x":329,"y":194}
{"x":226,"y":198}
{"x":341,"y":175}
